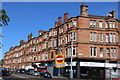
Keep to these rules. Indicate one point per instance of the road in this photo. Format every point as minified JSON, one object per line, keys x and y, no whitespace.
{"x":20,"y":76}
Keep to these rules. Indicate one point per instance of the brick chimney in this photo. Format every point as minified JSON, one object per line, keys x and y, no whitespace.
{"x":66,"y":17}
{"x":55,"y":24}
{"x":29,"y":36}
{"x":11,"y":48}
{"x":22,"y":42}
{"x":84,"y":10}
{"x":41,"y":32}
{"x":113,"y":12}
{"x":59,"y":21}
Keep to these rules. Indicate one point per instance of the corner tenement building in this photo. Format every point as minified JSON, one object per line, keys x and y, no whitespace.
{"x":96,"y":46}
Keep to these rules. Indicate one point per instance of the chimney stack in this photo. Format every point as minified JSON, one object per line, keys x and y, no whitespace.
{"x":84,"y":9}
{"x":113,"y":12}
{"x":22,"y":42}
{"x":59,"y":21}
{"x":29,"y":36}
{"x":66,"y":17}
{"x":55,"y":24}
{"x":41,"y":32}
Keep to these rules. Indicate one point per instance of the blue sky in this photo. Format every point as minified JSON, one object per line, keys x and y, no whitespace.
{"x":30,"y":17}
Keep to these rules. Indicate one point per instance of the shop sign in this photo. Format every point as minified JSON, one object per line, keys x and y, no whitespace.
{"x":119,"y":65}
{"x":92,"y":64}
{"x":110,"y":64}
{"x":59,"y":59}
{"x":69,"y":63}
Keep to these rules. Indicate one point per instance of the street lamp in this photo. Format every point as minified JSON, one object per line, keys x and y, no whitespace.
{"x":71,"y":70}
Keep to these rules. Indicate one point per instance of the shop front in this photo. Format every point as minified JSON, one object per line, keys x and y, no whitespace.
{"x":112,"y":70}
{"x":44,"y":66}
{"x":86,"y":70}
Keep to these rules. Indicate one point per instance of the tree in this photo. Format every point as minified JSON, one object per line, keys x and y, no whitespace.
{"x":4,"y":19}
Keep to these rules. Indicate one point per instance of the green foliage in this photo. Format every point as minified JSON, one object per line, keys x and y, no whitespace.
{"x":4,"y":19}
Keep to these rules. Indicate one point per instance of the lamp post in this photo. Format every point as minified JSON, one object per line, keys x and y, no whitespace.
{"x":71,"y":70}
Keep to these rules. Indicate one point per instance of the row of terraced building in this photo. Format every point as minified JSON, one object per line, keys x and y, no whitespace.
{"x":96,"y":46}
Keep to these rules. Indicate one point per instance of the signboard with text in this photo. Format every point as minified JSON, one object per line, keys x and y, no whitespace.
{"x":59,"y":60}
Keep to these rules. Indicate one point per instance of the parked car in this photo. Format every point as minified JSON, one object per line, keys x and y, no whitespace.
{"x":18,"y":70}
{"x":22,"y":71}
{"x":4,"y":72}
{"x":28,"y":71}
{"x":31,"y":72}
{"x":25,"y":71}
{"x":45,"y":75}
{"x":8,"y":71}
{"x":36,"y":73}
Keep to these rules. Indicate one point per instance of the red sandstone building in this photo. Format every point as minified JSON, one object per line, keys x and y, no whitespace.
{"x":96,"y":46}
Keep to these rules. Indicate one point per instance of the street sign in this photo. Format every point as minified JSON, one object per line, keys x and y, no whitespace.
{"x":59,"y":59}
